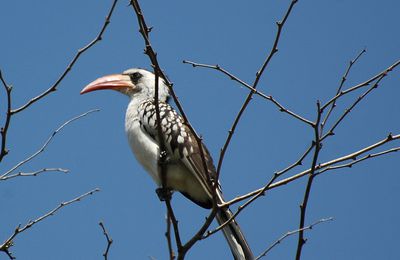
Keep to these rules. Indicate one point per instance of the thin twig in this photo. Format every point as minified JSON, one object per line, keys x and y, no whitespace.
{"x":4,"y":129}
{"x":356,"y":161}
{"x":108,"y":238}
{"x":298,"y":162}
{"x":4,"y":175}
{"x":71,"y":64}
{"x":259,"y":73}
{"x":244,"y":106}
{"x":352,"y":106}
{"x":348,"y":110}
{"x":343,"y":80}
{"x":174,"y":224}
{"x":5,"y":247}
{"x":351,"y":156}
{"x":360,"y":85}
{"x":168,"y":237}
{"x":238,"y":117}
{"x":303,"y":207}
{"x":34,"y":173}
{"x":255,"y":91}
{"x":260,"y":192}
{"x":290,"y":233}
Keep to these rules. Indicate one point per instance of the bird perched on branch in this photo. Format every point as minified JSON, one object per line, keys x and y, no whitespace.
{"x":184,"y":165}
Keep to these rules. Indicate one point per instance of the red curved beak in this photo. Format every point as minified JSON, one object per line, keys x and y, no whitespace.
{"x":117,"y":82}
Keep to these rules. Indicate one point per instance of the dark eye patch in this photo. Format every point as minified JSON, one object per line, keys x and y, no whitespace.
{"x":135,"y":76}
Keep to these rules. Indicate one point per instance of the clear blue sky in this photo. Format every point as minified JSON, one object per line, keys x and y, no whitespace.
{"x":40,"y":37}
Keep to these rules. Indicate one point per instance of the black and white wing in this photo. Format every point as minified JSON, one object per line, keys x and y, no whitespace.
{"x":181,"y":145}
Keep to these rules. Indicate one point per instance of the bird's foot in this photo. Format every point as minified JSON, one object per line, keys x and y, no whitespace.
{"x":164,"y":193}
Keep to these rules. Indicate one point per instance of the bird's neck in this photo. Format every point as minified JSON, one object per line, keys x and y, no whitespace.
{"x":132,"y":112}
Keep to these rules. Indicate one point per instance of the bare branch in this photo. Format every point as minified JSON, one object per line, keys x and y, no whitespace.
{"x":298,"y":162}
{"x":351,"y":156}
{"x":356,"y":161}
{"x":303,"y":206}
{"x":5,"y":247}
{"x":259,"y":73}
{"x":363,"y":84}
{"x":168,"y":237}
{"x":290,"y":233}
{"x":261,"y":192}
{"x":71,"y":64}
{"x":274,"y":49}
{"x":4,"y":175}
{"x":35,"y":173}
{"x":4,"y":129}
{"x":108,"y":238}
{"x":344,"y":78}
{"x":247,"y":101}
{"x":351,"y":107}
{"x":255,"y":91}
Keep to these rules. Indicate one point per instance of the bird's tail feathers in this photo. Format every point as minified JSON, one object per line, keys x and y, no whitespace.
{"x":234,"y":236}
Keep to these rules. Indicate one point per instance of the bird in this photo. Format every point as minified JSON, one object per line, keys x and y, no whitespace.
{"x":184,"y":167}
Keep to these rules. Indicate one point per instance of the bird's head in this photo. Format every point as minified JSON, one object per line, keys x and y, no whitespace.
{"x":135,"y":83}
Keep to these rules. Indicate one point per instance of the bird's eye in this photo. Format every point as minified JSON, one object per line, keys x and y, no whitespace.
{"x":135,"y":76}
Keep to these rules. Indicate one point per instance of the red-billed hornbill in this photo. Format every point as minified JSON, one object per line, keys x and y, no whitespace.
{"x":184,"y":166}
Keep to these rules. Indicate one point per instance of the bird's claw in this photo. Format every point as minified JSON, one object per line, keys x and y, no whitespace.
{"x":164,"y":194}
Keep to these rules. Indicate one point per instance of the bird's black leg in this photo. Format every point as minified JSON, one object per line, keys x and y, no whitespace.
{"x":163,"y":192}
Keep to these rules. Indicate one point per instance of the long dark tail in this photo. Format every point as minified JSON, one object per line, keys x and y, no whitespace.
{"x":234,"y":236}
